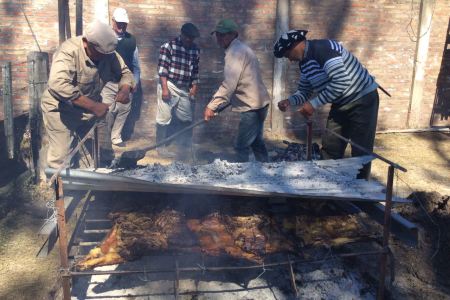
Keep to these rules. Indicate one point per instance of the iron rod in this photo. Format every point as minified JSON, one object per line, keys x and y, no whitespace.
{"x":219,"y":269}
{"x":391,"y":163}
{"x":292,"y":276}
{"x":71,"y":154}
{"x":309,"y":140}
{"x":386,"y":232}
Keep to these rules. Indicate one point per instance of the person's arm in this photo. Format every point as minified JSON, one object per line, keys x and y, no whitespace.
{"x":234,"y":65}
{"x":63,"y":84}
{"x":193,"y":90}
{"x":136,"y":67}
{"x":165,"y":58}
{"x":97,"y":108}
{"x":126,"y":83}
{"x":339,"y":79}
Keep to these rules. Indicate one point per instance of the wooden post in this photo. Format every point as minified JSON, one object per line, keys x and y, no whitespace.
{"x":79,"y":17}
{"x":63,"y":240}
{"x":420,"y":59}
{"x":37,"y":81}
{"x":8,"y":109}
{"x":61,"y":21}
{"x":101,"y":10}
{"x":279,"y":68}
{"x":67,"y":19}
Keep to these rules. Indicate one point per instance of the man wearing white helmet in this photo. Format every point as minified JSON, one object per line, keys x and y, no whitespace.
{"x":81,"y":67}
{"x":127,"y":48}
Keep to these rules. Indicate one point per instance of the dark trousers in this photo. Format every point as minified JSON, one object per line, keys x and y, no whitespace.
{"x":250,"y":135}
{"x":356,"y":121}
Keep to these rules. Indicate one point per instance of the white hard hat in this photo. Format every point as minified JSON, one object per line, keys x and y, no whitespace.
{"x":120,"y":15}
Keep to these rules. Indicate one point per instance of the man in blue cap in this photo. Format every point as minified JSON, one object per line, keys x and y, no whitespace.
{"x":242,"y":78}
{"x":329,"y":73}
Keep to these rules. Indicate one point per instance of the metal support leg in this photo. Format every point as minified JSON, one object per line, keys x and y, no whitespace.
{"x":309,"y":140}
{"x":292,"y":277}
{"x":177,"y":280}
{"x":96,"y":148}
{"x":61,"y":220}
{"x":386,"y":232}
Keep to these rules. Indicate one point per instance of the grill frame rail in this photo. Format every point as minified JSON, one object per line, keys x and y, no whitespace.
{"x":384,"y":254}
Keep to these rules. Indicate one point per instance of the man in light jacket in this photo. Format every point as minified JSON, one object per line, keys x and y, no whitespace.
{"x":242,"y":78}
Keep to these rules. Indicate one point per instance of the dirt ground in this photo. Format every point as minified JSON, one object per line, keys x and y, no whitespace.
{"x":421,"y":274}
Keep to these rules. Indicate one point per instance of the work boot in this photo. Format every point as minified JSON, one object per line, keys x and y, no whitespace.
{"x":161,"y":134}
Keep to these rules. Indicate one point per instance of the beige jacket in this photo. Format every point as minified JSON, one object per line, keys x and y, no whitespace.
{"x":242,"y":76}
{"x":73,"y":74}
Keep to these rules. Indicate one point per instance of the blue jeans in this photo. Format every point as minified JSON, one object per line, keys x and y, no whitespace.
{"x":250,"y":135}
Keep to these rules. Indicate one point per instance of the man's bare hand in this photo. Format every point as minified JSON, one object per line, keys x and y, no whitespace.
{"x":166,"y":95}
{"x":100,"y":109}
{"x":283,"y":104}
{"x":123,"y":96}
{"x":307,"y":110}
{"x":209,"y":114}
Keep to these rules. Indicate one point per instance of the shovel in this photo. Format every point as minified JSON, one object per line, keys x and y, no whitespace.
{"x":128,"y":159}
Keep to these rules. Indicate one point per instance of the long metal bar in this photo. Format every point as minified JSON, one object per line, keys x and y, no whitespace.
{"x":85,"y":180}
{"x":72,"y":154}
{"x":386,"y":232}
{"x":139,"y":153}
{"x":309,"y":140}
{"x":61,"y":219}
{"x":223,"y":268}
{"x":177,"y":280}
{"x":395,"y":165}
{"x":292,"y":276}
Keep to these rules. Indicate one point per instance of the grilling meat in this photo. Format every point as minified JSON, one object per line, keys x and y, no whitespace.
{"x":136,"y":234}
{"x":249,"y":237}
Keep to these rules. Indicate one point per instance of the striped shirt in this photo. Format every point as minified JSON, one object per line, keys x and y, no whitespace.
{"x":179,"y":64}
{"x":333,"y":74}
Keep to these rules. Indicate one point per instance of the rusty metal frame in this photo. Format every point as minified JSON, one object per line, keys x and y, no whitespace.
{"x":384,"y":253}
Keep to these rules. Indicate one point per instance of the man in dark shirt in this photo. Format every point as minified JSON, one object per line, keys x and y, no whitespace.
{"x":331,"y":74}
{"x":178,"y":79}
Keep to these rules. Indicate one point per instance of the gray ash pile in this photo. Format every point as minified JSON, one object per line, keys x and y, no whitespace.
{"x":295,"y":152}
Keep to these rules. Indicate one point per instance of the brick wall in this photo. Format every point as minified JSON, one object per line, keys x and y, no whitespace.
{"x":375,"y":31}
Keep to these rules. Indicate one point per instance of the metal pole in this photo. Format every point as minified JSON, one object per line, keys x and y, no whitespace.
{"x":386,"y":232}
{"x":309,"y":140}
{"x":8,"y":109}
{"x":397,"y":166}
{"x":96,"y":150}
{"x":61,"y":221}
{"x":177,"y":281}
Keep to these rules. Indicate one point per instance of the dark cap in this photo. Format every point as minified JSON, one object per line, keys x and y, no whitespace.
{"x":225,"y":26}
{"x":287,"y":40}
{"x":190,"y":30}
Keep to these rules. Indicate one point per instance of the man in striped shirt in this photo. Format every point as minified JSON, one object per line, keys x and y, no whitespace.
{"x":331,"y":74}
{"x":178,"y":79}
